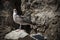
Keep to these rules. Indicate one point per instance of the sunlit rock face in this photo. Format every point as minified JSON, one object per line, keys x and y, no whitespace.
{"x":22,"y":35}
{"x":40,"y":11}
{"x":16,"y":34}
{"x":41,"y":17}
{"x":43,"y":14}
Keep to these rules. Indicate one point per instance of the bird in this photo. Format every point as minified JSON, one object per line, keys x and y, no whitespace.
{"x":22,"y":19}
{"x":18,"y":18}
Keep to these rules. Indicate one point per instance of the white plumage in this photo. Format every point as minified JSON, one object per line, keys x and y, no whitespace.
{"x":18,"y":19}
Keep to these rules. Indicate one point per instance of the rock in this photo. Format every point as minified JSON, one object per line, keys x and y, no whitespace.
{"x":43,"y":14}
{"x":16,"y":34}
{"x":37,"y":36}
{"x":22,"y":35}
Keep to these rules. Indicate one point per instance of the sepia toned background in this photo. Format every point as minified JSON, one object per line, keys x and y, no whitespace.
{"x":45,"y":13}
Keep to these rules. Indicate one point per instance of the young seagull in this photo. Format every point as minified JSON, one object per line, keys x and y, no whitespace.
{"x":18,"y":19}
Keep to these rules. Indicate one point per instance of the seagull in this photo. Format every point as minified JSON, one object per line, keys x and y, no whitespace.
{"x":18,"y":19}
{"x":22,"y":19}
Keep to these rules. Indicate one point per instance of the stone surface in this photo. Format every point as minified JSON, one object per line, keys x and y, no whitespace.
{"x":16,"y":34}
{"x":22,"y":35}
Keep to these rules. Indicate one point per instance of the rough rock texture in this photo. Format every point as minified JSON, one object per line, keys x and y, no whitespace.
{"x":45,"y":13}
{"x":23,"y":35}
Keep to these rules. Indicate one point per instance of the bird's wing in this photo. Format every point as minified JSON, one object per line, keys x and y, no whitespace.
{"x":18,"y":19}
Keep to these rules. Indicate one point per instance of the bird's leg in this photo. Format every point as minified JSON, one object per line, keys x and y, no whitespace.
{"x":20,"y":26}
